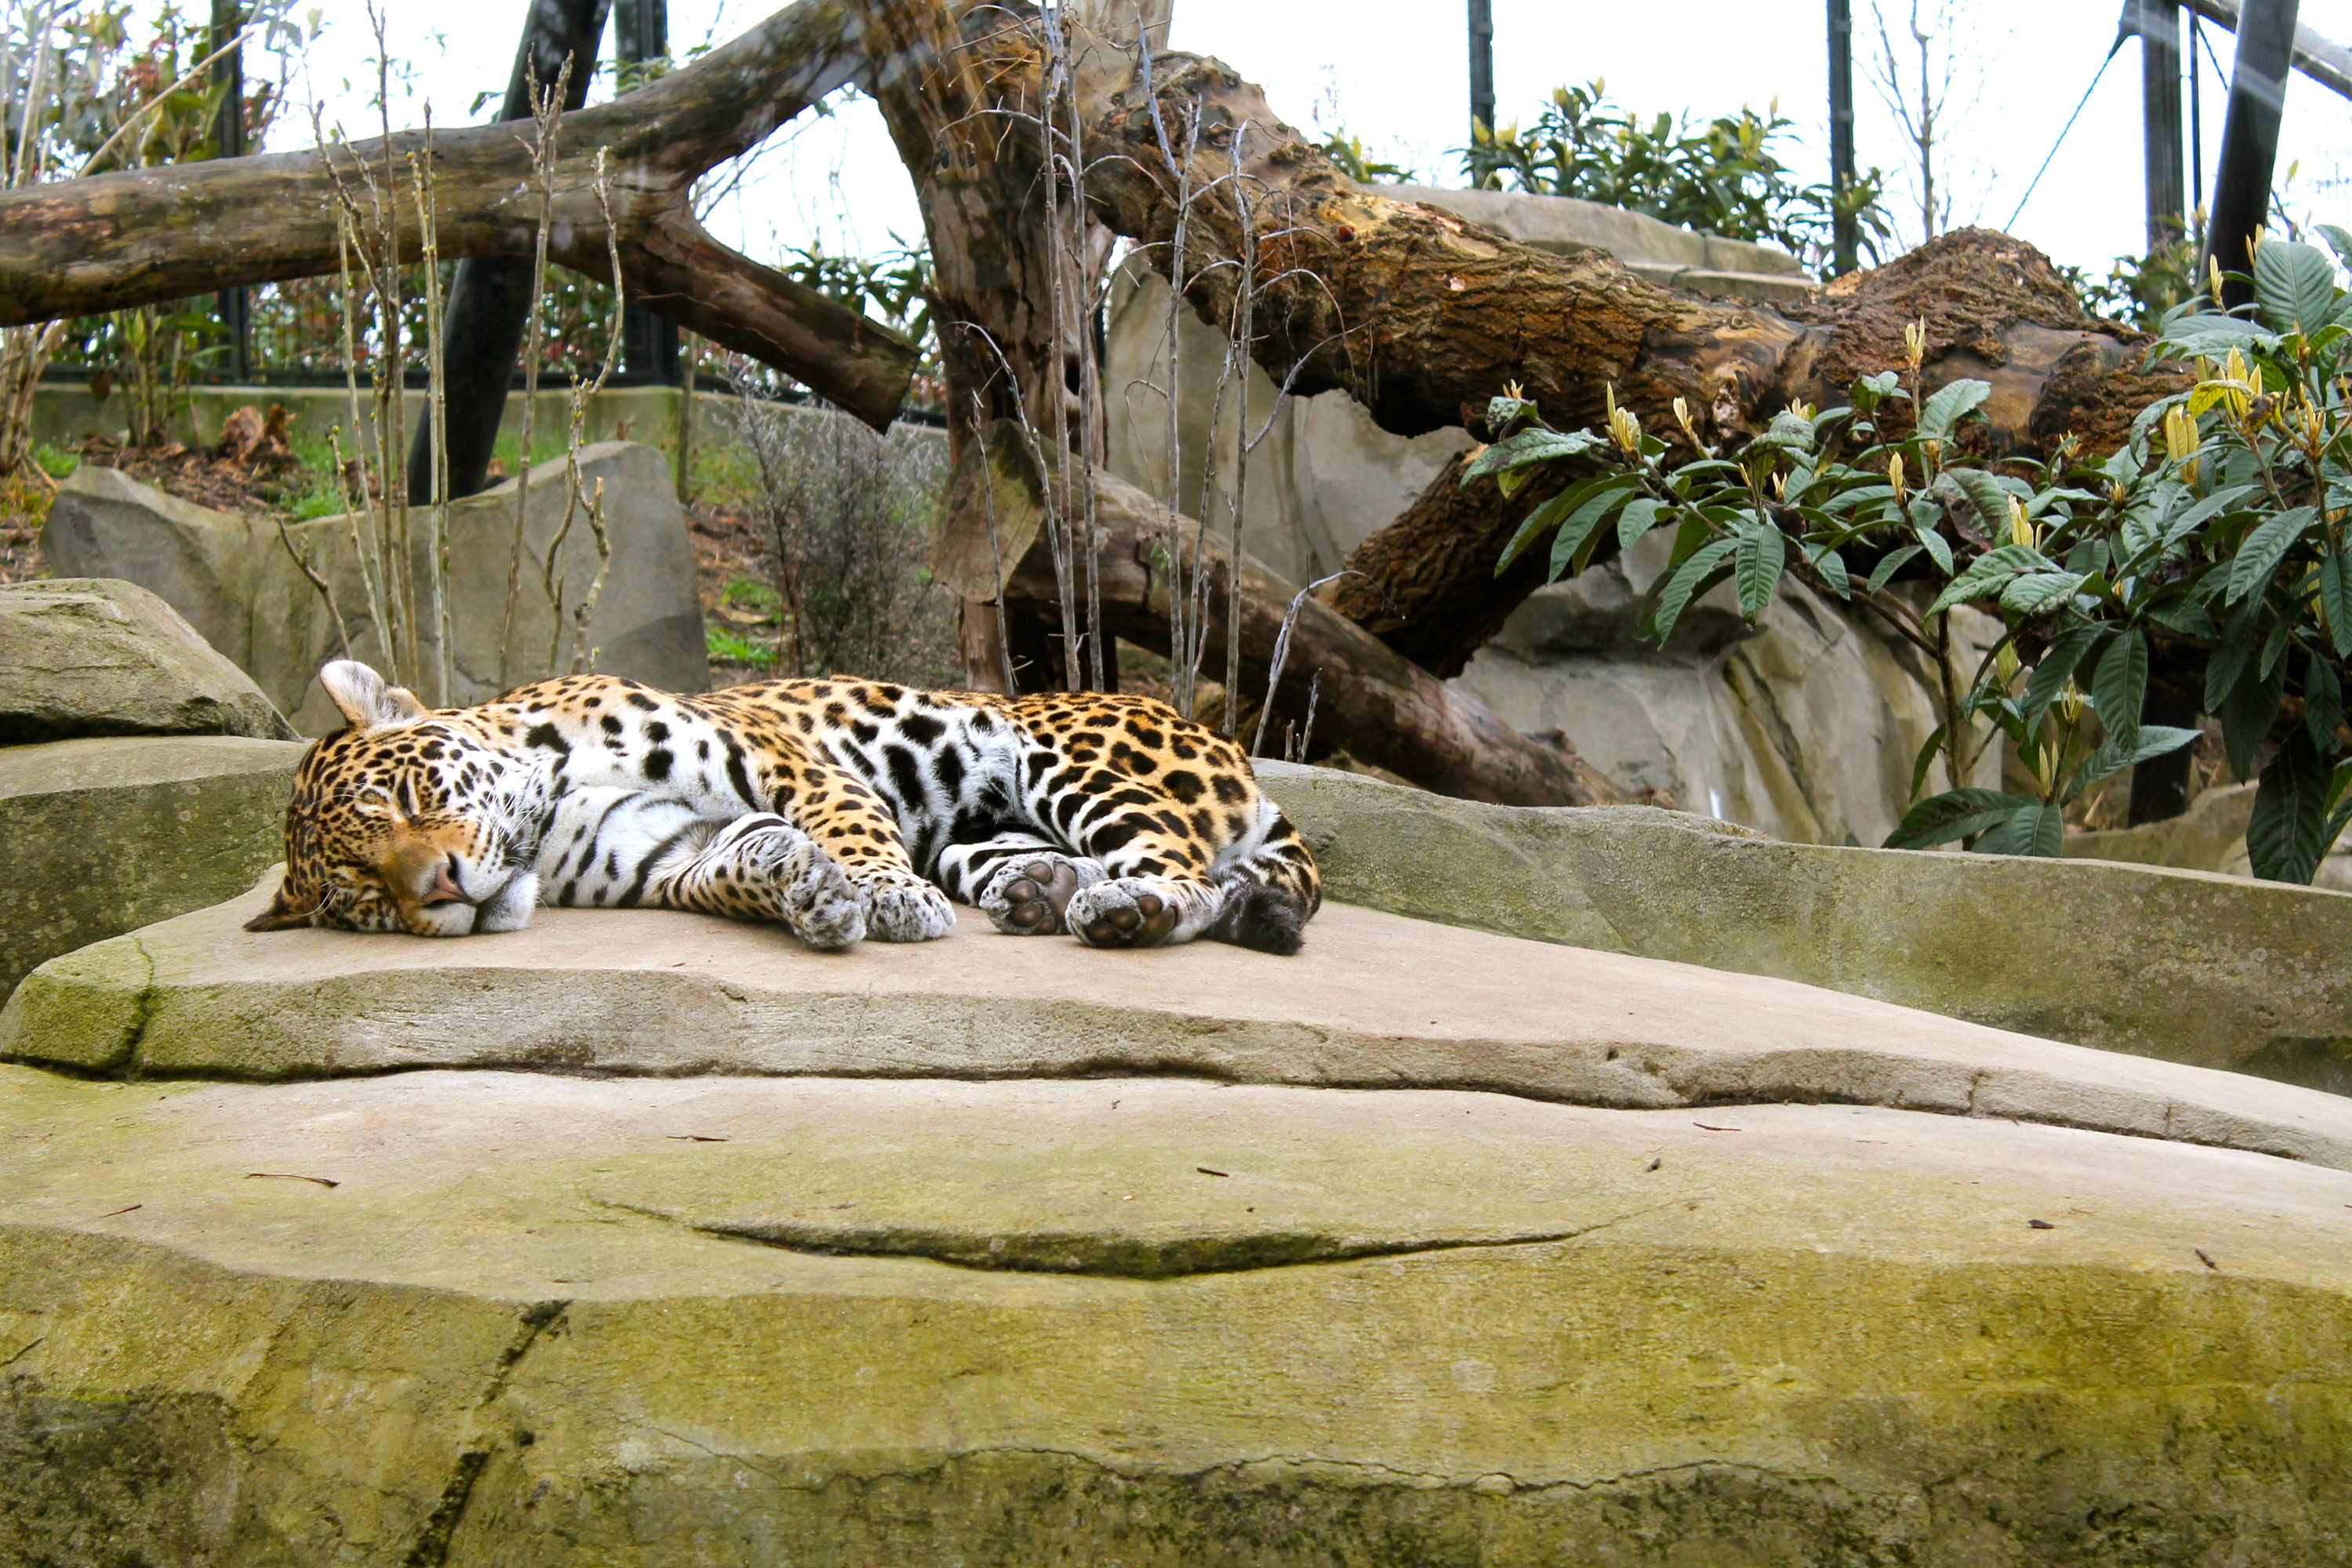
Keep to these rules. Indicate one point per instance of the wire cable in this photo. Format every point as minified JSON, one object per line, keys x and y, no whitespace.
{"x":2011,"y":226}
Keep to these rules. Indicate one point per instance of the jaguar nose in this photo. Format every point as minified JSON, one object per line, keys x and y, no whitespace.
{"x":446,"y":888}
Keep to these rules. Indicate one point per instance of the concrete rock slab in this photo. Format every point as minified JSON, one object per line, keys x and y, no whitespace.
{"x":490,"y":1318}
{"x":106,"y":836}
{"x":82,"y":656}
{"x":2216,"y":971}
{"x":1376,"y":1001}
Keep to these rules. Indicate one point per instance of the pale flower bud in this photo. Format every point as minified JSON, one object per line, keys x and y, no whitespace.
{"x":2070,"y":704}
{"x":1623,"y":429}
{"x":1895,"y":478}
{"x":1915,"y":341}
{"x":2020,"y":527}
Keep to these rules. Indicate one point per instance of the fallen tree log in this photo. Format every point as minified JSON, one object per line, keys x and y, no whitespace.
{"x":144,"y":236}
{"x":1384,"y":709}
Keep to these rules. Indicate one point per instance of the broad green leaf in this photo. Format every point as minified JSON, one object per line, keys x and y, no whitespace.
{"x":2231,"y":652}
{"x":2264,"y":548}
{"x":2212,"y":506}
{"x":1987,"y":574}
{"x":2323,"y":703}
{"x":2186,"y":617}
{"x":1933,"y":544}
{"x":2338,"y":241}
{"x":1585,"y":521}
{"x":1883,"y":573}
{"x":2152,"y":742}
{"x":1926,"y":758}
{"x":2120,"y":685}
{"x":2030,"y":829}
{"x":2060,"y":659}
{"x":2274,"y":648}
{"x":1979,"y":502}
{"x":2209,"y":336}
{"x":2285,"y":837}
{"x":1831,"y":567}
{"x":1763,"y":556}
{"x":1788,"y":429}
{"x":2335,"y":598}
{"x":2295,"y":286}
{"x":1528,"y":446}
{"x":1501,"y":411}
{"x":1947,"y":405}
{"x":1548,"y":514}
{"x":1678,"y":589}
{"x":2247,"y":714}
{"x":1955,"y":814}
{"x":1635,"y":521}
{"x":2037,"y":591}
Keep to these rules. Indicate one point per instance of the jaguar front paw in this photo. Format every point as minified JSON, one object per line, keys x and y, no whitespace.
{"x":1133,"y":912}
{"x":1027,"y":895}
{"x":910,"y":910}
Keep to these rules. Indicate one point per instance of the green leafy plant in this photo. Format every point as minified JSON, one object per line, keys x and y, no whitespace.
{"x":2139,"y":289}
{"x":1347,"y":152}
{"x":2215,"y":535}
{"x":1720,"y":175}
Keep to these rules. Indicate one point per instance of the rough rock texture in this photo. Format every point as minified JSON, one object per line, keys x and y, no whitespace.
{"x":497,"y":1318}
{"x":650,"y":992}
{"x":2196,"y":968}
{"x":106,"y":836}
{"x":1426,"y":1246}
{"x":83,"y":657}
{"x":233,"y":578}
{"x":1806,"y":726}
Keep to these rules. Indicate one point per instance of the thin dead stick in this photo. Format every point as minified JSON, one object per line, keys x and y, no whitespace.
{"x":575,"y":498}
{"x":326,"y":589}
{"x":1281,"y":648}
{"x":547,"y":116}
{"x":421,"y":178}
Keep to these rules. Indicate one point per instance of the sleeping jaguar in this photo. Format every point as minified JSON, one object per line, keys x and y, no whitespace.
{"x":840,"y":809}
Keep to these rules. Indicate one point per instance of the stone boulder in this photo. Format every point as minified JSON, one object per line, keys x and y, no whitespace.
{"x":106,"y":836}
{"x":1426,"y":1246}
{"x":80,"y":656}
{"x":2218,"y":971}
{"x":234,"y":578}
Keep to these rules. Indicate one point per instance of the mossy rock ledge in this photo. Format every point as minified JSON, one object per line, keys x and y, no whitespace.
{"x":640,"y":1239}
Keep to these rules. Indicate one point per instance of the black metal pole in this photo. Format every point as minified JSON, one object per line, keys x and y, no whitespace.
{"x":2158,"y":26}
{"x":1482,"y":64}
{"x":2241,"y":175}
{"x":1846,"y":234}
{"x":489,"y":299}
{"x":2196,"y":131}
{"x":648,"y":344}
{"x":228,"y":73}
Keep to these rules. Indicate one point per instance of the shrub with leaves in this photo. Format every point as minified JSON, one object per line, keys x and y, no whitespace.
{"x":2216,"y":534}
{"x":1722,"y":176}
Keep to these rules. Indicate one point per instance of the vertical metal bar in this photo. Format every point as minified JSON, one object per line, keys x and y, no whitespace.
{"x":1481,"y":63}
{"x":2158,"y":22}
{"x":2241,"y":175}
{"x":228,"y":73}
{"x":1846,"y":234}
{"x":2196,"y":128}
{"x":648,"y":344}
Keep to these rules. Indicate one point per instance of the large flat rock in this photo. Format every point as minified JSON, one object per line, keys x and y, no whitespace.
{"x":496,"y":1318}
{"x":1375,"y":1001}
{"x":105,"y":836}
{"x":93,"y":656}
{"x":2218,"y":971}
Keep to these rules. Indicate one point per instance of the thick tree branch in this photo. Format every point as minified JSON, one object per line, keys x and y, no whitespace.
{"x":144,"y":236}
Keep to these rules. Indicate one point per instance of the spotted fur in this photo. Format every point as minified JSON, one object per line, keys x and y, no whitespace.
{"x":840,"y":809}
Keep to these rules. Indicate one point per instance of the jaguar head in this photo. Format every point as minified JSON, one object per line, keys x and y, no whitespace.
{"x":401,"y":821}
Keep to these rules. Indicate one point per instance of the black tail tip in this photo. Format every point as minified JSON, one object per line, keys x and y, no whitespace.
{"x":1266,"y":920}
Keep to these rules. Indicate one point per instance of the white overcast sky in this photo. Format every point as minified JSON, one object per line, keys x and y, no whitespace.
{"x":1394,"y":72}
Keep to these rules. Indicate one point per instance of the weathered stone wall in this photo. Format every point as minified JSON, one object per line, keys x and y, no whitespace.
{"x":233,"y":578}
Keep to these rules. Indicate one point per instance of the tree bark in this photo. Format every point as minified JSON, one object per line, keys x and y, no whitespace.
{"x":1381,"y":707}
{"x":140,"y":237}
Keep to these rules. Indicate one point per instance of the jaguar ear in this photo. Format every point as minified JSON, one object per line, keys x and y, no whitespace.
{"x":366,"y":702}
{"x":281,"y":915}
